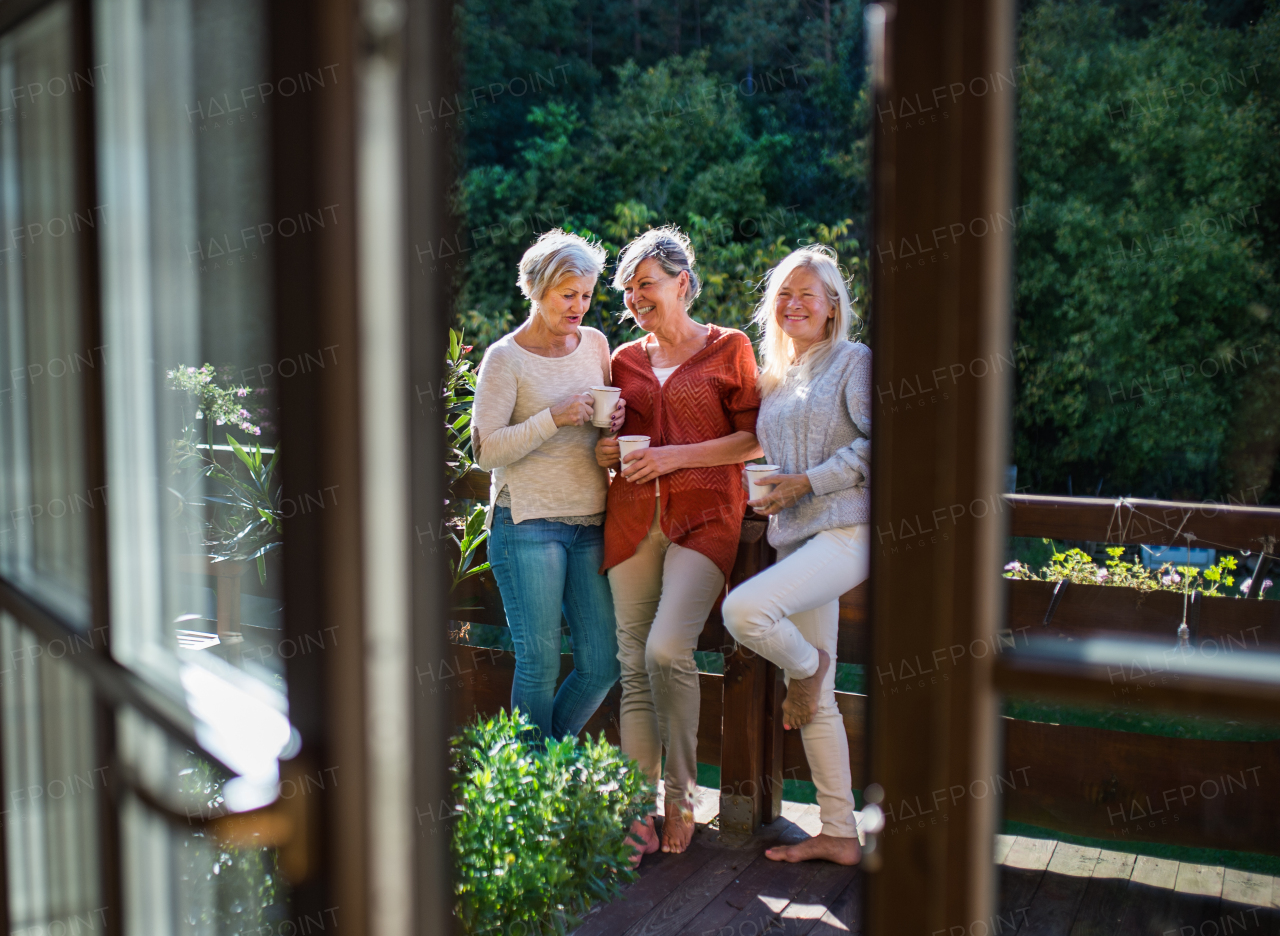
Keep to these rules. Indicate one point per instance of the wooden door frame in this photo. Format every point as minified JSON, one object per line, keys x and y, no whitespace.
{"x":941,"y":274}
{"x":318,"y":299}
{"x":430,"y":71}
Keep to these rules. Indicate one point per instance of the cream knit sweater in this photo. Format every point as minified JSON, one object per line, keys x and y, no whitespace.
{"x":549,"y":471}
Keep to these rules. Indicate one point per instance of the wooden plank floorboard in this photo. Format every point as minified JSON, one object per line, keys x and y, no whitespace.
{"x":1249,"y":904}
{"x":1151,"y":903}
{"x":660,"y":874}
{"x":786,"y":901}
{"x":1017,"y":889}
{"x":1020,"y":875}
{"x":1056,"y":900}
{"x":1198,"y":898}
{"x":723,"y":881}
{"x":1248,"y":888}
{"x":815,"y":903}
{"x":844,"y":916}
{"x":1102,"y":906}
{"x":722,"y":885}
{"x":756,"y":898}
{"x":671,"y":915}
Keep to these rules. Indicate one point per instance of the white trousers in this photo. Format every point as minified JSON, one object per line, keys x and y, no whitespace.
{"x":787,"y":614}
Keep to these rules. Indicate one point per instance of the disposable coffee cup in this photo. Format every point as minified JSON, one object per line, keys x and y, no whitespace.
{"x":756,"y":474}
{"x":629,"y":444}
{"x":606,"y":398}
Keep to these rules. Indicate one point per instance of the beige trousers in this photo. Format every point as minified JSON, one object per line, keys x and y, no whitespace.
{"x":787,"y":614}
{"x":661,"y":598}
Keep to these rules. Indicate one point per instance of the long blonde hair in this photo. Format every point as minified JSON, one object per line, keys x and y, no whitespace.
{"x":777,"y":350}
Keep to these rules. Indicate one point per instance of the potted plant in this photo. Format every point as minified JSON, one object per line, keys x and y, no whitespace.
{"x":237,"y":518}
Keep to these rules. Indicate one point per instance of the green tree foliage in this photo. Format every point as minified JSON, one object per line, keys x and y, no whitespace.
{"x":744,"y":126}
{"x":1146,"y":252}
{"x":1148,"y":175}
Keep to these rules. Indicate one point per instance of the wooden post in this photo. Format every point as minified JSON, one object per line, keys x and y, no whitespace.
{"x":775,"y":691}
{"x":229,"y":573}
{"x":751,"y":752}
{"x":934,"y":592}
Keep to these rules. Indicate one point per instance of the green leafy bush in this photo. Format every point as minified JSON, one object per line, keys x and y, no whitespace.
{"x":541,"y":834}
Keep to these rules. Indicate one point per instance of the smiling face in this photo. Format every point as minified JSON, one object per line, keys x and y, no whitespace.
{"x":803,"y":309}
{"x":565,"y":304}
{"x":654,"y":296}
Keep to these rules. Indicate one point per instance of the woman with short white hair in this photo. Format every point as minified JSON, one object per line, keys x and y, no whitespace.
{"x":531,"y":427}
{"x":815,"y":425}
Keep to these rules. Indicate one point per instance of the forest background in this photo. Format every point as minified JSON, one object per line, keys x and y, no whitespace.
{"x":1147,"y":225}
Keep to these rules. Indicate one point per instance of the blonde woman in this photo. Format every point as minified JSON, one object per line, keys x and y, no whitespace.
{"x":531,"y":426}
{"x":675,"y":510}
{"x":815,"y":424}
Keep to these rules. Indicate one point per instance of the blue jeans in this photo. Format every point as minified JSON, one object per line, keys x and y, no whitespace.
{"x":544,"y":568}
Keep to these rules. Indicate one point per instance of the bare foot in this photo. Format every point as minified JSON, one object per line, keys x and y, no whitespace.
{"x":843,"y":851}
{"x":677,"y":830}
{"x":644,"y":838}
{"x":801,"y":703}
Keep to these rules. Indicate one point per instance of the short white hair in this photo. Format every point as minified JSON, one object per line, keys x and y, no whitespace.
{"x":556,"y":255}
{"x":777,"y":351}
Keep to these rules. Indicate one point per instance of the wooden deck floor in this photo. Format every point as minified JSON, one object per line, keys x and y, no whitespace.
{"x":725,"y":885}
{"x":1052,"y":888}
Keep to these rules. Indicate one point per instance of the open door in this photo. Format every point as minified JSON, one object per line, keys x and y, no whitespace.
{"x":210,"y":472}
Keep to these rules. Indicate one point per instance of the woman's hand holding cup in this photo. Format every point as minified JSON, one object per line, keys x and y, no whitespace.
{"x":787,"y":489}
{"x":609,"y":452}
{"x":573,"y":410}
{"x":617,"y":417}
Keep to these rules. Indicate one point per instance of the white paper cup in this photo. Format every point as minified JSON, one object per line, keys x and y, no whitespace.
{"x":629,"y":444}
{"x":606,"y":398}
{"x":756,"y":474}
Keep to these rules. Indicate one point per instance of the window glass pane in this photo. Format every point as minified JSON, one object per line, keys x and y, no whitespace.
{"x":179,"y":878}
{"x":53,"y":781}
{"x":183,"y":152}
{"x":44,"y":497}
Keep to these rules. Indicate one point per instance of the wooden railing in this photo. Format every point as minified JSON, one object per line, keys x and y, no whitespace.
{"x":1084,"y":781}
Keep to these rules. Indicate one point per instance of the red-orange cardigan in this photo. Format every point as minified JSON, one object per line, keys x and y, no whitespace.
{"x":709,"y":396}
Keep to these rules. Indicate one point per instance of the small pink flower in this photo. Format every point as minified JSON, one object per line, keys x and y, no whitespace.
{"x":1013,"y":566}
{"x":1244,"y":586}
{"x":1103,"y":575}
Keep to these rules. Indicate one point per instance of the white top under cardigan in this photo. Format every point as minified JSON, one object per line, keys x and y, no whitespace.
{"x":662,"y":373}
{"x":549,"y":471}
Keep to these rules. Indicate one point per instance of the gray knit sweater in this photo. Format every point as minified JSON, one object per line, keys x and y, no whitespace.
{"x":822,"y":428}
